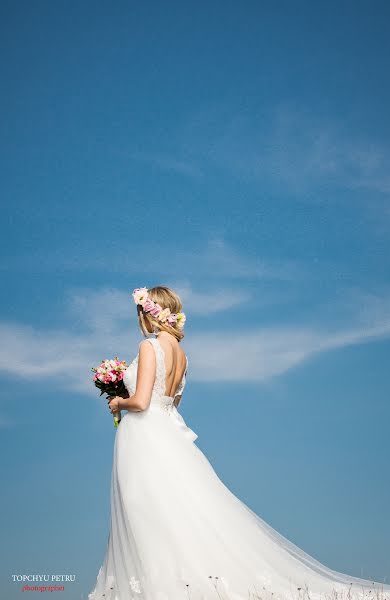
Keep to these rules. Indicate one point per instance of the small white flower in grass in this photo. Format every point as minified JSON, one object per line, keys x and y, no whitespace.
{"x":135,"y":585}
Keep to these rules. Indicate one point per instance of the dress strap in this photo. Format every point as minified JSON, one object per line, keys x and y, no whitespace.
{"x":159,"y":383}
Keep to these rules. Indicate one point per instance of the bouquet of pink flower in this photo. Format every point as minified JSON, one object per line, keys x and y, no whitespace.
{"x":109,"y":379}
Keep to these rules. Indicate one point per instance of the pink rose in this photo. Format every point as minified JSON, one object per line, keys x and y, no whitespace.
{"x":152,"y":307}
{"x":171,"y":319}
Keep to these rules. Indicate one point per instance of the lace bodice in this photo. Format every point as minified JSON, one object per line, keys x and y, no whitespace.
{"x":159,"y":397}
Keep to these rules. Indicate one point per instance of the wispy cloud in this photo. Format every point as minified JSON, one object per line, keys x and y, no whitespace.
{"x":264,"y":353}
{"x":213,"y":259}
{"x":169,"y":163}
{"x":99,"y":309}
{"x":103,"y":309}
{"x":239,"y":355}
{"x":218,"y":260}
{"x":284,"y":148}
{"x":210,"y":301}
{"x":306,"y":151}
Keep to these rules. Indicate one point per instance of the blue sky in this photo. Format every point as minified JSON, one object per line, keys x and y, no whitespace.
{"x":240,"y":153}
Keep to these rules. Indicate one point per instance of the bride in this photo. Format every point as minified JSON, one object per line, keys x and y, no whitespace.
{"x":176,"y":531}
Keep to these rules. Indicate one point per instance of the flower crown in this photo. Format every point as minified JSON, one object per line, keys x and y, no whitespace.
{"x":141,"y":296}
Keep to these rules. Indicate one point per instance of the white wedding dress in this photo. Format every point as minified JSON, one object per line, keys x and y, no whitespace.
{"x":178,"y":533}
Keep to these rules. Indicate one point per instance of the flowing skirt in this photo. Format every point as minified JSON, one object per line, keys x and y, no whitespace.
{"x":178,"y":533}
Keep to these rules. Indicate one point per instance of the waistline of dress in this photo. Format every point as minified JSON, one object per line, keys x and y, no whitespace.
{"x":158,"y":404}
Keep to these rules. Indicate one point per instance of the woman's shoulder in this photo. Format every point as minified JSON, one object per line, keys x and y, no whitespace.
{"x":147,"y":342}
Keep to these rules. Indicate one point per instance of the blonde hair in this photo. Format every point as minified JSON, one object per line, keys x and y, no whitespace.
{"x":166,"y":298}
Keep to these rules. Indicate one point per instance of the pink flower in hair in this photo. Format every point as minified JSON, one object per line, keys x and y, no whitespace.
{"x":171,"y":319}
{"x":152,"y":307}
{"x":141,"y":297}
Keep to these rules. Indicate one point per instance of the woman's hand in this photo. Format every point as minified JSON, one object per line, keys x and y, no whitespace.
{"x":114,"y":404}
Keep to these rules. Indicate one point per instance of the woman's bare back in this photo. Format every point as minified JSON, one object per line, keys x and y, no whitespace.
{"x":175,"y":362}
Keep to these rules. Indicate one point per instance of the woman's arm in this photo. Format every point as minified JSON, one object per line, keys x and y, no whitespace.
{"x":146,"y":374}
